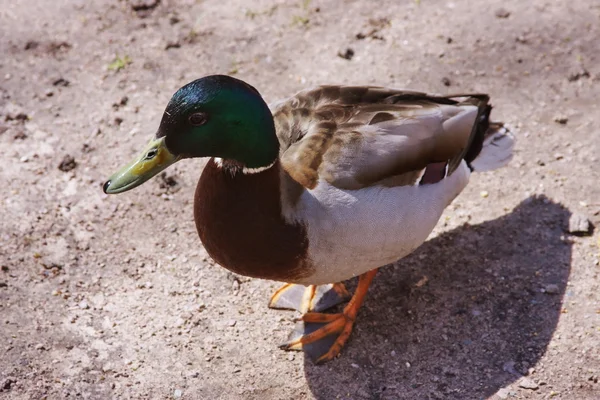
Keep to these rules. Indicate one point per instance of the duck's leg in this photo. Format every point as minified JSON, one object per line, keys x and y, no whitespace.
{"x":309,"y":298}
{"x":322,"y":336}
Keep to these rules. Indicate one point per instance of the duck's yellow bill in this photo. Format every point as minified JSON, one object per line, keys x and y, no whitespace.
{"x":153,"y":159}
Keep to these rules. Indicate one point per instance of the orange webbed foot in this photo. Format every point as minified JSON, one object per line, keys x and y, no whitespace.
{"x":322,"y":336}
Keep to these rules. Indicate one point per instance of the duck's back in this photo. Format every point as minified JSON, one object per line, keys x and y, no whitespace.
{"x":377,"y":167}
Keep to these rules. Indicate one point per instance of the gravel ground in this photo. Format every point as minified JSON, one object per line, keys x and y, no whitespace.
{"x":114,"y":297}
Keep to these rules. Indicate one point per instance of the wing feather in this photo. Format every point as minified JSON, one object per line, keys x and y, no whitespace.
{"x":357,"y":136}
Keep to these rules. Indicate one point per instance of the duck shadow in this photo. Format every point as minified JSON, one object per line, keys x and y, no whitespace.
{"x":461,"y":317}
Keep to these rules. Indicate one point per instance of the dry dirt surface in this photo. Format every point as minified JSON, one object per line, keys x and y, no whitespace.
{"x":115,"y":298}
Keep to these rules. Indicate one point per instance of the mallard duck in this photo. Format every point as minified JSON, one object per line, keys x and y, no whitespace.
{"x":330,"y":184}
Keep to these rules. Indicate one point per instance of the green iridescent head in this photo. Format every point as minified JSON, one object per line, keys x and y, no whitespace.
{"x":215,"y":116}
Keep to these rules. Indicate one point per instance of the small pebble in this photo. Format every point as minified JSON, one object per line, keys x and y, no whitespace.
{"x":561,"y":119}
{"x":177,"y":394}
{"x":521,"y":39}
{"x":179,"y":322}
{"x":143,"y":5}
{"x":61,"y":82}
{"x":484,"y":194}
{"x":20,"y":135}
{"x":15,"y":112}
{"x":579,"y":225}
{"x":527,"y":383}
{"x":503,"y":393}
{"x":346,"y":54}
{"x":84,"y":305}
{"x":552,"y":288}
{"x":502,"y":13}
{"x":509,"y":367}
{"x":578,"y":74}
{"x":7,"y":383}
{"x":172,"y":45}
{"x":67,"y":164}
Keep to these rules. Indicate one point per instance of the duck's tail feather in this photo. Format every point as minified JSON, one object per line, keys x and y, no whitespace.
{"x":496,"y":148}
{"x":491,"y":144}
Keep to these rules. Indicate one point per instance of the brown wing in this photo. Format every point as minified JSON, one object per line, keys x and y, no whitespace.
{"x":355,"y":137}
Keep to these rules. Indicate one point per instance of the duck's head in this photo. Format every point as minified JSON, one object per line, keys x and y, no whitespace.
{"x":215,"y":116}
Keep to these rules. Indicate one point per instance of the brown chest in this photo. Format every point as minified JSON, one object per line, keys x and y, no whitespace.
{"x":239,"y":221}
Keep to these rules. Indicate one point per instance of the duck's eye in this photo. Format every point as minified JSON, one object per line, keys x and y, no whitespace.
{"x":198,"y":118}
{"x":151,"y":154}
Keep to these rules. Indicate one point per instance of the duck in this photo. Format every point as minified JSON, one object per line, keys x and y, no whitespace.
{"x":329,"y":184}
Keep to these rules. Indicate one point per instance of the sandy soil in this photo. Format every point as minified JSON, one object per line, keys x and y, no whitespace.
{"x":114,"y":297}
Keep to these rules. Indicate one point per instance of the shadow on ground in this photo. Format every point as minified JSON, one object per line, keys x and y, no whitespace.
{"x":479,"y":322}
